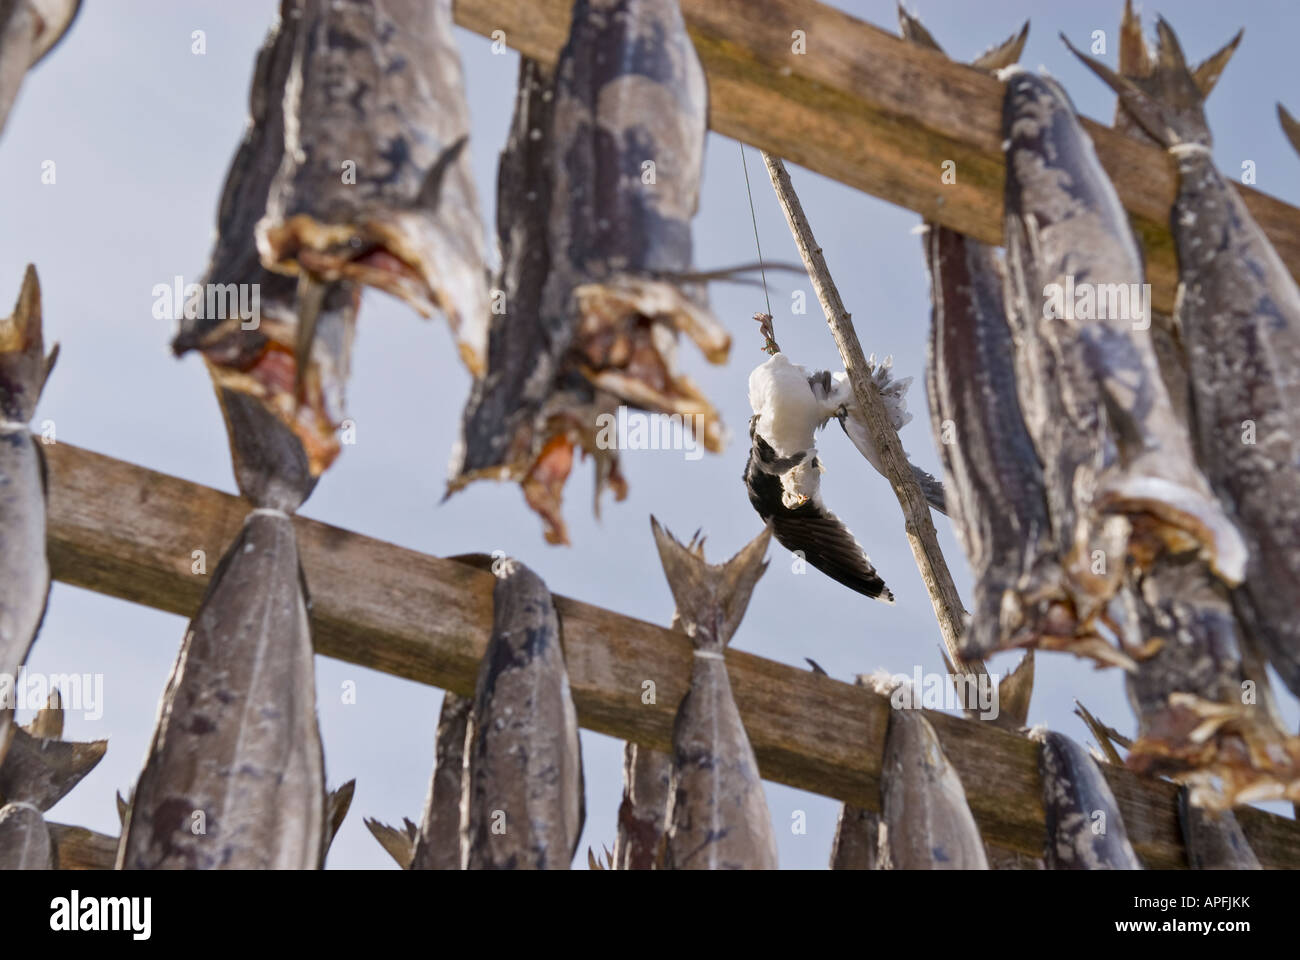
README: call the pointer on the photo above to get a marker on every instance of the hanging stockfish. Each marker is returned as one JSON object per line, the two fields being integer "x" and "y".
{"x": 523, "y": 805}
{"x": 717, "y": 816}
{"x": 24, "y": 569}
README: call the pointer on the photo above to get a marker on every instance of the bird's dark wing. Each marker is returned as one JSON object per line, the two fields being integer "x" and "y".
{"x": 812, "y": 531}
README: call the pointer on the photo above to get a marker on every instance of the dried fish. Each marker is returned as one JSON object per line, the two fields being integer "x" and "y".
{"x": 1138, "y": 62}
{"x": 1238, "y": 312}
{"x": 630, "y": 117}
{"x": 29, "y": 29}
{"x": 532, "y": 410}
{"x": 1213, "y": 839}
{"x": 1191, "y": 694}
{"x": 717, "y": 815}
{"x": 997, "y": 494}
{"x": 926, "y": 823}
{"x": 25, "y": 842}
{"x": 24, "y": 570}
{"x": 282, "y": 418}
{"x": 1084, "y": 828}
{"x": 525, "y": 347}
{"x": 438, "y": 843}
{"x": 999, "y": 500}
{"x": 235, "y": 776}
{"x": 398, "y": 843}
{"x": 523, "y": 805}
{"x": 38, "y": 771}
{"x": 857, "y": 839}
{"x": 375, "y": 186}
{"x": 857, "y": 831}
{"x": 337, "y": 804}
{"x": 643, "y": 814}
{"x": 1090, "y": 376}
{"x": 42, "y": 770}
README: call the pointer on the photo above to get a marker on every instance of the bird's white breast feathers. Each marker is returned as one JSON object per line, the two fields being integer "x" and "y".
{"x": 788, "y": 412}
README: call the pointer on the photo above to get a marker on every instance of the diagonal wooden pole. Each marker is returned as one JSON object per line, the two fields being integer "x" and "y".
{"x": 916, "y": 511}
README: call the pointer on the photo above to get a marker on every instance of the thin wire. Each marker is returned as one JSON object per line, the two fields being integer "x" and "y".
{"x": 755, "y": 221}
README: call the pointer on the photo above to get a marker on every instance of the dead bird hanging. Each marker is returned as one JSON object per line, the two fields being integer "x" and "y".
{"x": 783, "y": 473}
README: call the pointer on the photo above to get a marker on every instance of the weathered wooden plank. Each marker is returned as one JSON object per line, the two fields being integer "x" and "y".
{"x": 130, "y": 532}
{"x": 82, "y": 849}
{"x": 867, "y": 109}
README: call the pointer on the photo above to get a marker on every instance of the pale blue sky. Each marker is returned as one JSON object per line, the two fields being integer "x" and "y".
{"x": 142, "y": 132}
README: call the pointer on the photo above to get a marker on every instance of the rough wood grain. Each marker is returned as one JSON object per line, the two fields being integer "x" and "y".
{"x": 82, "y": 849}
{"x": 867, "y": 109}
{"x": 129, "y": 532}
{"x": 916, "y": 511}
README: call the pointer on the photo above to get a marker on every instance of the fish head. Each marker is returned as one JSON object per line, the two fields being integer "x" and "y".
{"x": 23, "y": 363}
{"x": 625, "y": 343}
{"x": 283, "y": 428}
{"x": 399, "y": 254}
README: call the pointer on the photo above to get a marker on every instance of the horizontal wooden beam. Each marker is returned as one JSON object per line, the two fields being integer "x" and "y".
{"x": 81, "y": 849}
{"x": 130, "y": 532}
{"x": 869, "y": 110}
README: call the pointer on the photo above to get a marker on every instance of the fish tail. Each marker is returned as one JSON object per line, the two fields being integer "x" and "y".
{"x": 24, "y": 368}
{"x": 711, "y": 598}
{"x": 995, "y": 58}
{"x": 1290, "y": 126}
{"x": 1157, "y": 87}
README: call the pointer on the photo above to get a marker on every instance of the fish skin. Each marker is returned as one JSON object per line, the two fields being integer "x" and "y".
{"x": 381, "y": 85}
{"x": 1188, "y": 693}
{"x": 997, "y": 495}
{"x": 398, "y": 843}
{"x": 29, "y": 29}
{"x": 857, "y": 831}
{"x": 25, "y": 842}
{"x": 279, "y": 446}
{"x": 926, "y": 822}
{"x": 337, "y": 804}
{"x": 717, "y": 815}
{"x": 532, "y": 410}
{"x": 1074, "y": 789}
{"x": 643, "y": 813}
{"x": 999, "y": 505}
{"x": 629, "y": 88}
{"x": 524, "y": 757}
{"x": 42, "y": 770}
{"x": 1064, "y": 219}
{"x": 24, "y": 568}
{"x": 437, "y": 846}
{"x": 237, "y": 736}
{"x": 857, "y": 840}
{"x": 1213, "y": 839}
{"x": 1238, "y": 313}
{"x": 525, "y": 345}
{"x": 38, "y": 771}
